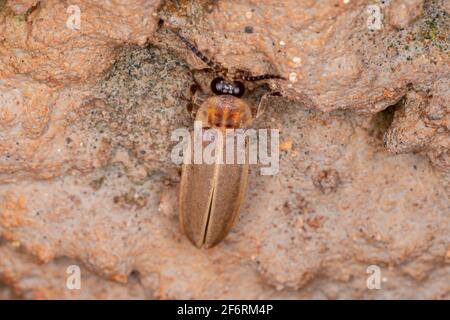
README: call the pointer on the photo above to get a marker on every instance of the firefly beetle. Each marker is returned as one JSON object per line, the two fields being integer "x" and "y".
{"x": 211, "y": 194}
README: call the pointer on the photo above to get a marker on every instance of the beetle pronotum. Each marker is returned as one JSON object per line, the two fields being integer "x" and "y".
{"x": 211, "y": 194}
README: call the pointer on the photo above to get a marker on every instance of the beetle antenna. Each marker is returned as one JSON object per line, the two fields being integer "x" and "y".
{"x": 197, "y": 52}
{"x": 262, "y": 77}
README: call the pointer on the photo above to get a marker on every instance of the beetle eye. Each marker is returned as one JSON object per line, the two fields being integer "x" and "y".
{"x": 238, "y": 89}
{"x": 217, "y": 85}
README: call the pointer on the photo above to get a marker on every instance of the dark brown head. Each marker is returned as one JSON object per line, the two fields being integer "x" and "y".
{"x": 220, "y": 86}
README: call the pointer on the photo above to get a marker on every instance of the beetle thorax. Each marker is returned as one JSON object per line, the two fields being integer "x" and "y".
{"x": 224, "y": 112}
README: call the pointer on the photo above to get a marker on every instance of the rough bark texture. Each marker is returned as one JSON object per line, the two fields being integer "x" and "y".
{"x": 86, "y": 116}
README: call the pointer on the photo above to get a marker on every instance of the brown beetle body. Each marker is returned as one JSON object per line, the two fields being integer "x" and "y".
{"x": 211, "y": 194}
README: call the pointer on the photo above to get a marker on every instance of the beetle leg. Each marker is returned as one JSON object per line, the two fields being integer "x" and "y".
{"x": 193, "y": 99}
{"x": 261, "y": 105}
